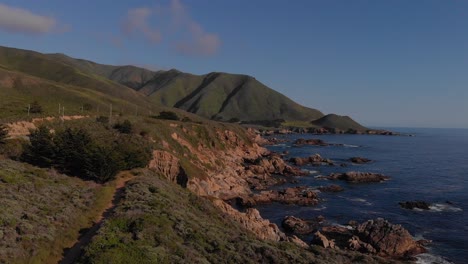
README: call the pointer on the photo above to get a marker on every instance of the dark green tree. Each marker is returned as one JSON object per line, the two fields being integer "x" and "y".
{"x": 72, "y": 150}
{"x": 41, "y": 148}
{"x": 3, "y": 133}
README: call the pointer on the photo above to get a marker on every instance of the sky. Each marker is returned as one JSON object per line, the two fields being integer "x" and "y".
{"x": 384, "y": 63}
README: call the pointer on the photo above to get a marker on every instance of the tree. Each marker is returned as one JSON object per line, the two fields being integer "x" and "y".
{"x": 35, "y": 108}
{"x": 72, "y": 150}
{"x": 3, "y": 133}
{"x": 41, "y": 148}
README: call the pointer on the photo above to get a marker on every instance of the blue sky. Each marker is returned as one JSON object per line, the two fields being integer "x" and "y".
{"x": 385, "y": 63}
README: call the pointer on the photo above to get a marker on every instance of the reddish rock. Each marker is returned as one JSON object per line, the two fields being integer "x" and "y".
{"x": 358, "y": 177}
{"x": 388, "y": 239}
{"x": 315, "y": 160}
{"x": 296, "y": 225}
{"x": 373, "y": 237}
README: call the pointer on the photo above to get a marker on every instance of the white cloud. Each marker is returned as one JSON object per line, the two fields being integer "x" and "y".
{"x": 137, "y": 21}
{"x": 17, "y": 20}
{"x": 185, "y": 34}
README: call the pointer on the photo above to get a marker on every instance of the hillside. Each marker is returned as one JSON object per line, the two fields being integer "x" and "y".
{"x": 338, "y": 122}
{"x": 215, "y": 95}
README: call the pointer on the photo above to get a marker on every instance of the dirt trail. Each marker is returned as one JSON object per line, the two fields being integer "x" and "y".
{"x": 71, "y": 255}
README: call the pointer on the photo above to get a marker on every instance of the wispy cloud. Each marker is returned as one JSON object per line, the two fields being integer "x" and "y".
{"x": 18, "y": 20}
{"x": 185, "y": 35}
{"x": 137, "y": 22}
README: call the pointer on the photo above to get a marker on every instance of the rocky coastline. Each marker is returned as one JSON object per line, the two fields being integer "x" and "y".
{"x": 245, "y": 178}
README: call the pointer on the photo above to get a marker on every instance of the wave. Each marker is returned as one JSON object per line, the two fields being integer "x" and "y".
{"x": 430, "y": 259}
{"x": 444, "y": 207}
{"x": 351, "y": 146}
{"x": 319, "y": 208}
{"x": 311, "y": 171}
{"x": 359, "y": 200}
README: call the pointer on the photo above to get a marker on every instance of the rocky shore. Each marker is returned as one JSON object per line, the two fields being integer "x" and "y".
{"x": 245, "y": 177}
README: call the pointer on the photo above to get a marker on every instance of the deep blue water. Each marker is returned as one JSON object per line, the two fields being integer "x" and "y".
{"x": 431, "y": 166}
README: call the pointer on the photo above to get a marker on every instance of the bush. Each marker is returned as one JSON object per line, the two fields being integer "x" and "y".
{"x": 125, "y": 127}
{"x": 168, "y": 115}
{"x": 3, "y": 133}
{"x": 102, "y": 119}
{"x": 35, "y": 108}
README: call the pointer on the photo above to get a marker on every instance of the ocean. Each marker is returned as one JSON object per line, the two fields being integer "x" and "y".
{"x": 431, "y": 166}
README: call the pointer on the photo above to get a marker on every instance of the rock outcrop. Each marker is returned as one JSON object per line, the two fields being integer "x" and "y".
{"x": 301, "y": 195}
{"x": 315, "y": 160}
{"x": 294, "y": 225}
{"x": 377, "y": 236}
{"x": 358, "y": 177}
{"x": 168, "y": 165}
{"x": 252, "y": 220}
{"x": 311, "y": 142}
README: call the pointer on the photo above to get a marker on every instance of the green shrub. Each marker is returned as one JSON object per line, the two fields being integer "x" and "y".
{"x": 35, "y": 108}
{"x": 102, "y": 119}
{"x": 168, "y": 115}
{"x": 75, "y": 152}
{"x": 125, "y": 127}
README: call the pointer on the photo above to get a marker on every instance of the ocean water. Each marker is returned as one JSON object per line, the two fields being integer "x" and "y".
{"x": 431, "y": 166}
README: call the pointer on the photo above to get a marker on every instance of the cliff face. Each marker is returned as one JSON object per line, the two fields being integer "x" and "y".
{"x": 221, "y": 174}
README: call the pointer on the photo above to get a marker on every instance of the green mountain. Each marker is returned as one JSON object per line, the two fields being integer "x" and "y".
{"x": 215, "y": 95}
{"x": 338, "y": 122}
{"x": 55, "y": 79}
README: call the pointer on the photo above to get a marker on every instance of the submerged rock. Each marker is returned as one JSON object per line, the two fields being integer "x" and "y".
{"x": 358, "y": 177}
{"x": 415, "y": 204}
{"x": 313, "y": 142}
{"x": 359, "y": 160}
{"x": 331, "y": 188}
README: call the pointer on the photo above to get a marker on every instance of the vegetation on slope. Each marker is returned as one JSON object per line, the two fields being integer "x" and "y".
{"x": 159, "y": 222}
{"x": 42, "y": 211}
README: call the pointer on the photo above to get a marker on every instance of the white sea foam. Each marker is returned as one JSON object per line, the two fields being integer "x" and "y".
{"x": 279, "y": 145}
{"x": 444, "y": 207}
{"x": 350, "y": 146}
{"x": 360, "y": 200}
{"x": 431, "y": 259}
{"x": 312, "y": 171}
